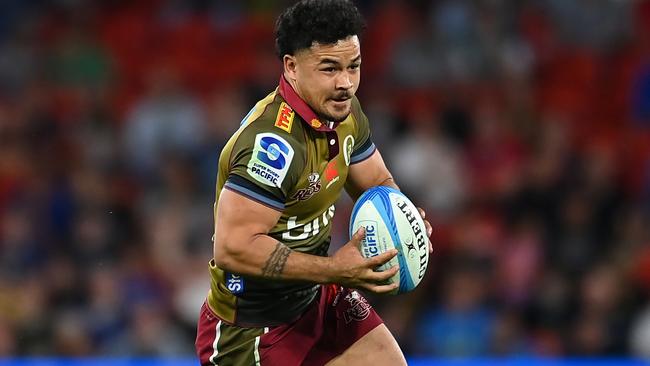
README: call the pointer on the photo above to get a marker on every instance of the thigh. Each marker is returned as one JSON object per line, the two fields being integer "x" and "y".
{"x": 349, "y": 319}
{"x": 218, "y": 343}
{"x": 377, "y": 348}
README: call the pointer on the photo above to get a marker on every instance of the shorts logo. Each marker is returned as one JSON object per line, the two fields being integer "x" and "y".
{"x": 271, "y": 159}
{"x": 313, "y": 188}
{"x": 348, "y": 145}
{"x": 358, "y": 310}
{"x": 285, "y": 117}
{"x": 234, "y": 283}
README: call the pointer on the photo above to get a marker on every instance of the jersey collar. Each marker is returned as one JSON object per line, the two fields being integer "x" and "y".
{"x": 304, "y": 111}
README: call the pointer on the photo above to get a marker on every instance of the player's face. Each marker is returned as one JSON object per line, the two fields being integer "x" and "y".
{"x": 327, "y": 76}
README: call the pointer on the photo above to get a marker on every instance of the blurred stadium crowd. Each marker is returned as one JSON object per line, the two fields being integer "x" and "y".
{"x": 522, "y": 127}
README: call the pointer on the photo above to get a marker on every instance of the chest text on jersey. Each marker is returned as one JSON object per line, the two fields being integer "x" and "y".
{"x": 310, "y": 228}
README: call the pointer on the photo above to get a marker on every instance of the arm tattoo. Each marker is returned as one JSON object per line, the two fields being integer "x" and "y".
{"x": 275, "y": 264}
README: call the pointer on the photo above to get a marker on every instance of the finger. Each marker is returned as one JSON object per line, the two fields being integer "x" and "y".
{"x": 381, "y": 276}
{"x": 382, "y": 289}
{"x": 429, "y": 228}
{"x": 382, "y": 258}
{"x": 430, "y": 247}
{"x": 422, "y": 213}
{"x": 358, "y": 236}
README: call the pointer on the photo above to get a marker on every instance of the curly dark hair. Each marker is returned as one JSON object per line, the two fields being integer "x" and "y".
{"x": 321, "y": 21}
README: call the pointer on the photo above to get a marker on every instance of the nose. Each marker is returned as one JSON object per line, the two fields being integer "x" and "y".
{"x": 343, "y": 82}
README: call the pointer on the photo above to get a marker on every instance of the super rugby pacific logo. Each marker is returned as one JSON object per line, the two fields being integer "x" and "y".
{"x": 270, "y": 160}
{"x": 419, "y": 235}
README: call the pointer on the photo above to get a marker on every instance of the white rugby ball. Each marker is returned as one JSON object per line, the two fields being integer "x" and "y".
{"x": 392, "y": 221}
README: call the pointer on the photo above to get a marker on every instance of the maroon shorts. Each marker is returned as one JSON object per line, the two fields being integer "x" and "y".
{"x": 328, "y": 327}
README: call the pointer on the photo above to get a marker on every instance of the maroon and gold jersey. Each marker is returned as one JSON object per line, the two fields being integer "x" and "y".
{"x": 284, "y": 157}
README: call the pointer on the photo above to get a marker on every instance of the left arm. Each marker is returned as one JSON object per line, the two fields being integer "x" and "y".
{"x": 366, "y": 174}
{"x": 373, "y": 172}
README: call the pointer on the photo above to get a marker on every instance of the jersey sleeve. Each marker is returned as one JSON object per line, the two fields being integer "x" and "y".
{"x": 264, "y": 166}
{"x": 363, "y": 147}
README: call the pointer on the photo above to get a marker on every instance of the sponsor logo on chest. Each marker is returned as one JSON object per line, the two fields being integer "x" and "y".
{"x": 301, "y": 229}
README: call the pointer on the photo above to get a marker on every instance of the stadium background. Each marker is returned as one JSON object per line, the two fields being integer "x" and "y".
{"x": 523, "y": 128}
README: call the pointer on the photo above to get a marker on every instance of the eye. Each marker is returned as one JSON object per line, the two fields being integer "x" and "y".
{"x": 328, "y": 69}
{"x": 355, "y": 66}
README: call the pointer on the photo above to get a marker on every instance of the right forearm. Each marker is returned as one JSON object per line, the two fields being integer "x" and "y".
{"x": 265, "y": 257}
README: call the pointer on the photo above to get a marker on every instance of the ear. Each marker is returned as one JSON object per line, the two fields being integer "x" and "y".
{"x": 290, "y": 66}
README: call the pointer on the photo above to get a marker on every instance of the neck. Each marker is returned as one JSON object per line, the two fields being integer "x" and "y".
{"x": 294, "y": 85}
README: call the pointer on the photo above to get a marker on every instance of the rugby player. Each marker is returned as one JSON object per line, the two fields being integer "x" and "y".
{"x": 276, "y": 298}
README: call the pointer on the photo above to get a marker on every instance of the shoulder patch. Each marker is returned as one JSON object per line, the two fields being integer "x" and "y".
{"x": 284, "y": 120}
{"x": 271, "y": 159}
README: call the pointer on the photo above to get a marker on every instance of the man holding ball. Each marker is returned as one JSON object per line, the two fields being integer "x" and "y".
{"x": 276, "y": 298}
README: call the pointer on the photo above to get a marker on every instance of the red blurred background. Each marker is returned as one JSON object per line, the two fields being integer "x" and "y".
{"x": 523, "y": 128}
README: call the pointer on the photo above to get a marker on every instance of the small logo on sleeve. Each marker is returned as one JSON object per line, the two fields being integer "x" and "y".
{"x": 234, "y": 283}
{"x": 271, "y": 159}
{"x": 285, "y": 117}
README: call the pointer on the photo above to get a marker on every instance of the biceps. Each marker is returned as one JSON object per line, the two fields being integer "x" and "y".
{"x": 239, "y": 219}
{"x": 369, "y": 173}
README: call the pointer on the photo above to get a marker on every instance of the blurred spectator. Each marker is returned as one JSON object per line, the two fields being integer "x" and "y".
{"x": 520, "y": 263}
{"x": 153, "y": 334}
{"x": 70, "y": 335}
{"x": 462, "y": 326}
{"x": 106, "y": 314}
{"x": 640, "y": 335}
{"x": 166, "y": 121}
{"x": 427, "y": 164}
{"x": 8, "y": 345}
{"x": 598, "y": 24}
{"x": 602, "y": 323}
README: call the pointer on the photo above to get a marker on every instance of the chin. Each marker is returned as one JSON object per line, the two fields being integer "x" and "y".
{"x": 338, "y": 117}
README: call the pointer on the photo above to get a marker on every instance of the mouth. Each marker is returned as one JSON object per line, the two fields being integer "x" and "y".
{"x": 340, "y": 101}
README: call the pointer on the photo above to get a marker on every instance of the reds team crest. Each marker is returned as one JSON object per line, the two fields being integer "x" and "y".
{"x": 358, "y": 309}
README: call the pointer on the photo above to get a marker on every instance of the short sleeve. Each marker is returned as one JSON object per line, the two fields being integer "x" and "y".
{"x": 364, "y": 147}
{"x": 264, "y": 167}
